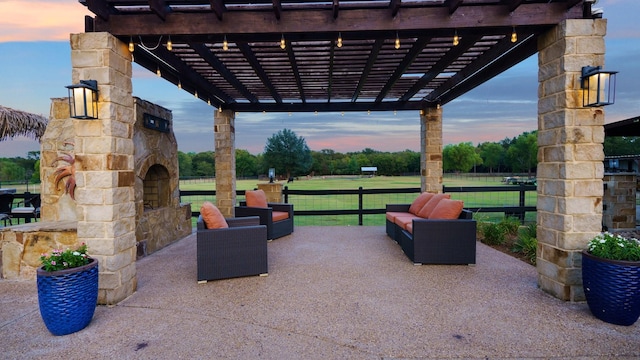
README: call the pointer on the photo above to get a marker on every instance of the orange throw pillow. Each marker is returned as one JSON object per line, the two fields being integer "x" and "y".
{"x": 256, "y": 198}
{"x": 426, "y": 210}
{"x": 212, "y": 216}
{"x": 419, "y": 202}
{"x": 447, "y": 209}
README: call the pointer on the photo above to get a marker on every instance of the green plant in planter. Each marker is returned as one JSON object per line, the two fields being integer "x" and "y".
{"x": 610, "y": 278}
{"x": 67, "y": 259}
{"x": 614, "y": 247}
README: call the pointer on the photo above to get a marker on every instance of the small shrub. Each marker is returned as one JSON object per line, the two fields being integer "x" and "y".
{"x": 492, "y": 234}
{"x": 526, "y": 243}
{"x": 510, "y": 224}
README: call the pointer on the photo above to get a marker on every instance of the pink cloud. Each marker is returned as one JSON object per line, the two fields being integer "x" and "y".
{"x": 40, "y": 20}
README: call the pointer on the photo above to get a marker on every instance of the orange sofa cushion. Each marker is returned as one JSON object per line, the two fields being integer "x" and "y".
{"x": 392, "y": 215}
{"x": 279, "y": 215}
{"x": 420, "y": 202}
{"x": 426, "y": 210}
{"x": 404, "y": 221}
{"x": 256, "y": 198}
{"x": 212, "y": 216}
{"x": 447, "y": 209}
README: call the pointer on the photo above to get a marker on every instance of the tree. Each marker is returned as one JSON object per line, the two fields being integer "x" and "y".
{"x": 246, "y": 164}
{"x": 461, "y": 157}
{"x": 288, "y": 153}
{"x": 523, "y": 152}
{"x": 185, "y": 166}
{"x": 204, "y": 164}
{"x": 621, "y": 145}
{"x": 492, "y": 155}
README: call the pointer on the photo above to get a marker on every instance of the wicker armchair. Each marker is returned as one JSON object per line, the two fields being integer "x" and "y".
{"x": 275, "y": 229}
{"x": 240, "y": 250}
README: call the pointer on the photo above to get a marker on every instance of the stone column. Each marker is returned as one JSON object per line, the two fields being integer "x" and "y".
{"x": 104, "y": 163}
{"x": 225, "y": 139}
{"x": 570, "y": 155}
{"x": 431, "y": 149}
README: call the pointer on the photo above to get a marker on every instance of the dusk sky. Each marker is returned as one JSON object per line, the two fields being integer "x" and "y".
{"x": 35, "y": 66}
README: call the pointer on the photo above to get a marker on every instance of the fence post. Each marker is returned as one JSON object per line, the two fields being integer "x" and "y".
{"x": 522, "y": 194}
{"x": 360, "y": 205}
{"x": 286, "y": 194}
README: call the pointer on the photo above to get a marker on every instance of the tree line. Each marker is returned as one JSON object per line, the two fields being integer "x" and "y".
{"x": 290, "y": 156}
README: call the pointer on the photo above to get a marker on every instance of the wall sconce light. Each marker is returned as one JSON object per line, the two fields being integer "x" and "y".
{"x": 599, "y": 86}
{"x": 83, "y": 100}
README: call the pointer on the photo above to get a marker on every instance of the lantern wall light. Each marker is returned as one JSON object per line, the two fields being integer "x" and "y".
{"x": 83, "y": 100}
{"x": 599, "y": 86}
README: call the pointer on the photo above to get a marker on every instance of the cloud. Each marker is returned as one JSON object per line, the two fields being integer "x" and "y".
{"x": 41, "y": 20}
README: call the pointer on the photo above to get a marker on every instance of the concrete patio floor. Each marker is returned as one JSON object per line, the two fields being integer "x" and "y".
{"x": 331, "y": 293}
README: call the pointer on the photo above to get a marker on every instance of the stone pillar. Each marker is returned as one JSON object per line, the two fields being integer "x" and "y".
{"x": 570, "y": 155}
{"x": 619, "y": 201}
{"x": 431, "y": 149}
{"x": 273, "y": 191}
{"x": 104, "y": 160}
{"x": 225, "y": 139}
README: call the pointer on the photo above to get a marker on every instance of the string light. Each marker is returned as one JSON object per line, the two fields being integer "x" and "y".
{"x": 339, "y": 40}
{"x": 195, "y": 94}
{"x": 342, "y": 113}
{"x": 179, "y": 84}
{"x": 514, "y": 35}
{"x": 368, "y": 112}
{"x": 283, "y": 44}
{"x": 208, "y": 101}
{"x": 456, "y": 39}
{"x": 131, "y": 46}
{"x": 169, "y": 44}
{"x": 158, "y": 71}
{"x": 225, "y": 44}
{"x": 397, "y": 46}
{"x": 315, "y": 113}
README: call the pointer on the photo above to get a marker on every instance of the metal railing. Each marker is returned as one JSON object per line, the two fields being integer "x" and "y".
{"x": 367, "y": 206}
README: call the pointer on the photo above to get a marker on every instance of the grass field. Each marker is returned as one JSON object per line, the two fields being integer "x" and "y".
{"x": 378, "y": 201}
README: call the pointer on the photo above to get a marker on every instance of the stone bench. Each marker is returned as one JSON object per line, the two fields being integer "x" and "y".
{"x": 22, "y": 245}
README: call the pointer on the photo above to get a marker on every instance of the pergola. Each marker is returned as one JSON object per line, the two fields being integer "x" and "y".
{"x": 301, "y": 55}
{"x": 360, "y": 55}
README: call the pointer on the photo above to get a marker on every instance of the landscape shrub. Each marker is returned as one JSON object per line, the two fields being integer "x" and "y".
{"x": 526, "y": 243}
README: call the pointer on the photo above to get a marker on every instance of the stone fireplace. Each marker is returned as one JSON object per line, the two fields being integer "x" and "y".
{"x": 160, "y": 217}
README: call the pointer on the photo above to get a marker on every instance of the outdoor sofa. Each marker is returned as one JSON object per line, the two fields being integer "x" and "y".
{"x": 278, "y": 217}
{"x": 447, "y": 235}
{"x": 239, "y": 250}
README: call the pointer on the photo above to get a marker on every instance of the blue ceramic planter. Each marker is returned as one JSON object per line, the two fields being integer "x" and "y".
{"x": 68, "y": 298}
{"x": 612, "y": 289}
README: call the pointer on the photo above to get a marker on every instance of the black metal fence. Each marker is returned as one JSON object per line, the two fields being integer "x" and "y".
{"x": 367, "y": 206}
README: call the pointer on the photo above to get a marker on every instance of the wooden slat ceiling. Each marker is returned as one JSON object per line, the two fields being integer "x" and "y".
{"x": 313, "y": 73}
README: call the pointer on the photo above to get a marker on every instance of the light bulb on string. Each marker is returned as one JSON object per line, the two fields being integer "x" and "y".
{"x": 514, "y": 35}
{"x": 131, "y": 46}
{"x": 169, "y": 44}
{"x": 225, "y": 44}
{"x": 283, "y": 44}
{"x": 456, "y": 39}
{"x": 397, "y": 45}
{"x": 339, "y": 40}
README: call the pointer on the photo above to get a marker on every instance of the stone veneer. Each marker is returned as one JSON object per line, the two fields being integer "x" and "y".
{"x": 431, "y": 149}
{"x": 104, "y": 163}
{"x": 225, "y": 156}
{"x": 160, "y": 217}
{"x": 22, "y": 245}
{"x": 570, "y": 155}
{"x": 619, "y": 201}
